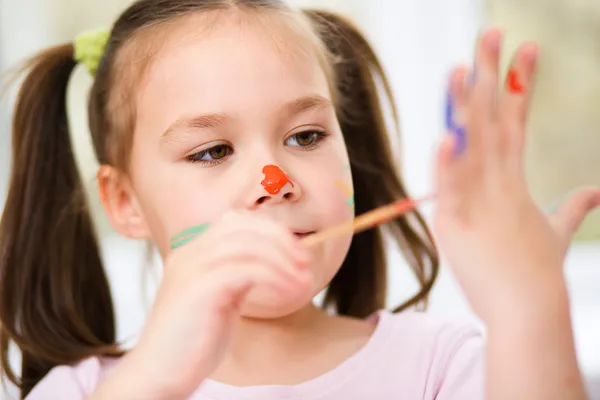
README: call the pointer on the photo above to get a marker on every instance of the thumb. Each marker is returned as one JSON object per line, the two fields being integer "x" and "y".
{"x": 569, "y": 215}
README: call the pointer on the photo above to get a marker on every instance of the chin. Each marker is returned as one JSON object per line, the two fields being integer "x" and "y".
{"x": 266, "y": 303}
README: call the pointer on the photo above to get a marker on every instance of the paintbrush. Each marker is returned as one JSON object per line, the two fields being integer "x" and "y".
{"x": 363, "y": 222}
{"x": 368, "y": 220}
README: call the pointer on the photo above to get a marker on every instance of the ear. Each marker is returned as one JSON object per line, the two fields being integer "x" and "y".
{"x": 120, "y": 203}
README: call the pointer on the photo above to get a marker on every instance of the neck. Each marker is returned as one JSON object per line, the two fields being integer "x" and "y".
{"x": 273, "y": 341}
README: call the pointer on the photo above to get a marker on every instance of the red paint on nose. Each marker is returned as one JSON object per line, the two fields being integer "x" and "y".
{"x": 275, "y": 179}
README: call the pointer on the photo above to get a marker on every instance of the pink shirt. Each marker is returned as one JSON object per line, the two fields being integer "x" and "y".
{"x": 409, "y": 356}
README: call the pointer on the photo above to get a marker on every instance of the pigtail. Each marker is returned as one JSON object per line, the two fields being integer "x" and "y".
{"x": 55, "y": 301}
{"x": 359, "y": 288}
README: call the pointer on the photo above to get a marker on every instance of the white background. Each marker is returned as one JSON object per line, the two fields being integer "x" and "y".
{"x": 418, "y": 41}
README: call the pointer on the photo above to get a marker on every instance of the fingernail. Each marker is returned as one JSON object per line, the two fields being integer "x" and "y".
{"x": 597, "y": 200}
{"x": 493, "y": 40}
{"x": 594, "y": 199}
{"x": 531, "y": 52}
{"x": 301, "y": 263}
{"x": 303, "y": 266}
{"x": 305, "y": 260}
{"x": 300, "y": 253}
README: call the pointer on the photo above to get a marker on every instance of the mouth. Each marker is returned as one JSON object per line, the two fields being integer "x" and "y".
{"x": 301, "y": 235}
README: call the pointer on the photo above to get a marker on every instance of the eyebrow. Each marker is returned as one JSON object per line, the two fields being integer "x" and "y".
{"x": 307, "y": 103}
{"x": 205, "y": 121}
{"x": 214, "y": 120}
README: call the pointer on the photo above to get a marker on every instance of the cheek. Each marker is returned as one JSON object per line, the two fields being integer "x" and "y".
{"x": 167, "y": 213}
{"x": 335, "y": 194}
{"x": 174, "y": 198}
{"x": 333, "y": 255}
{"x": 346, "y": 190}
{"x": 331, "y": 182}
{"x": 190, "y": 208}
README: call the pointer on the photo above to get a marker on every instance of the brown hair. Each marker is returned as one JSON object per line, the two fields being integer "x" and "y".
{"x": 360, "y": 286}
{"x": 55, "y": 302}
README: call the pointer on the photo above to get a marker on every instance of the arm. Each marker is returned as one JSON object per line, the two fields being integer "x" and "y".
{"x": 131, "y": 381}
{"x": 506, "y": 252}
{"x": 531, "y": 352}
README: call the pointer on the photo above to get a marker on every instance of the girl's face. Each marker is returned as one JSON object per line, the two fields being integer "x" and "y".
{"x": 217, "y": 107}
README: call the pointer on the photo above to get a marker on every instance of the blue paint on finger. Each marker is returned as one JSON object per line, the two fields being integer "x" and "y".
{"x": 461, "y": 140}
{"x": 456, "y": 129}
{"x": 449, "y": 112}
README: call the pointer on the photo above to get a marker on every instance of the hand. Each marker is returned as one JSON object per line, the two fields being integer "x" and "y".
{"x": 204, "y": 285}
{"x": 501, "y": 246}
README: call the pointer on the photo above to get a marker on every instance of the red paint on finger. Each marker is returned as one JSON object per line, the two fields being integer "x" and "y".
{"x": 275, "y": 179}
{"x": 513, "y": 82}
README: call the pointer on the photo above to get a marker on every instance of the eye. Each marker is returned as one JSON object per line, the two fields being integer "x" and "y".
{"x": 212, "y": 156}
{"x": 306, "y": 140}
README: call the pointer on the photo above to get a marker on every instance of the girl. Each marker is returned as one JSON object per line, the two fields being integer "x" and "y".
{"x": 253, "y": 121}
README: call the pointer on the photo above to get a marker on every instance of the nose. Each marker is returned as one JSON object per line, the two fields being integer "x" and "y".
{"x": 275, "y": 187}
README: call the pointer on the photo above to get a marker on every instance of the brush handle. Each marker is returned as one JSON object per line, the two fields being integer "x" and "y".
{"x": 367, "y": 220}
{"x": 363, "y": 222}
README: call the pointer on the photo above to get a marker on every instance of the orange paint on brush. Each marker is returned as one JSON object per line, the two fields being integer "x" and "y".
{"x": 513, "y": 82}
{"x": 275, "y": 179}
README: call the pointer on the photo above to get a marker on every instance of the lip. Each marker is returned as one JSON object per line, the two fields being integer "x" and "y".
{"x": 302, "y": 234}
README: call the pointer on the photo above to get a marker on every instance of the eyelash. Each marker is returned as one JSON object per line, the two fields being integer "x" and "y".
{"x": 318, "y": 137}
{"x": 197, "y": 157}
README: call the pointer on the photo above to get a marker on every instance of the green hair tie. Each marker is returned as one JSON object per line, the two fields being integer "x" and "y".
{"x": 89, "y": 48}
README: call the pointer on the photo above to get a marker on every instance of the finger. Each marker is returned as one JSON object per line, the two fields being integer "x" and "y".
{"x": 483, "y": 92}
{"x": 234, "y": 282}
{"x": 453, "y": 165}
{"x": 235, "y": 293}
{"x": 449, "y": 174}
{"x": 253, "y": 223}
{"x": 456, "y": 109}
{"x": 222, "y": 239}
{"x": 244, "y": 247}
{"x": 516, "y": 99}
{"x": 446, "y": 166}
{"x": 570, "y": 214}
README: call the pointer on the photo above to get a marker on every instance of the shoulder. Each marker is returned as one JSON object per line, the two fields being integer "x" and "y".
{"x": 446, "y": 356}
{"x": 73, "y": 381}
{"x": 426, "y": 329}
{"x": 439, "y": 339}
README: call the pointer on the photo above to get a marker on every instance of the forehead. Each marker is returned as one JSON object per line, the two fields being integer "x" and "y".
{"x": 229, "y": 61}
